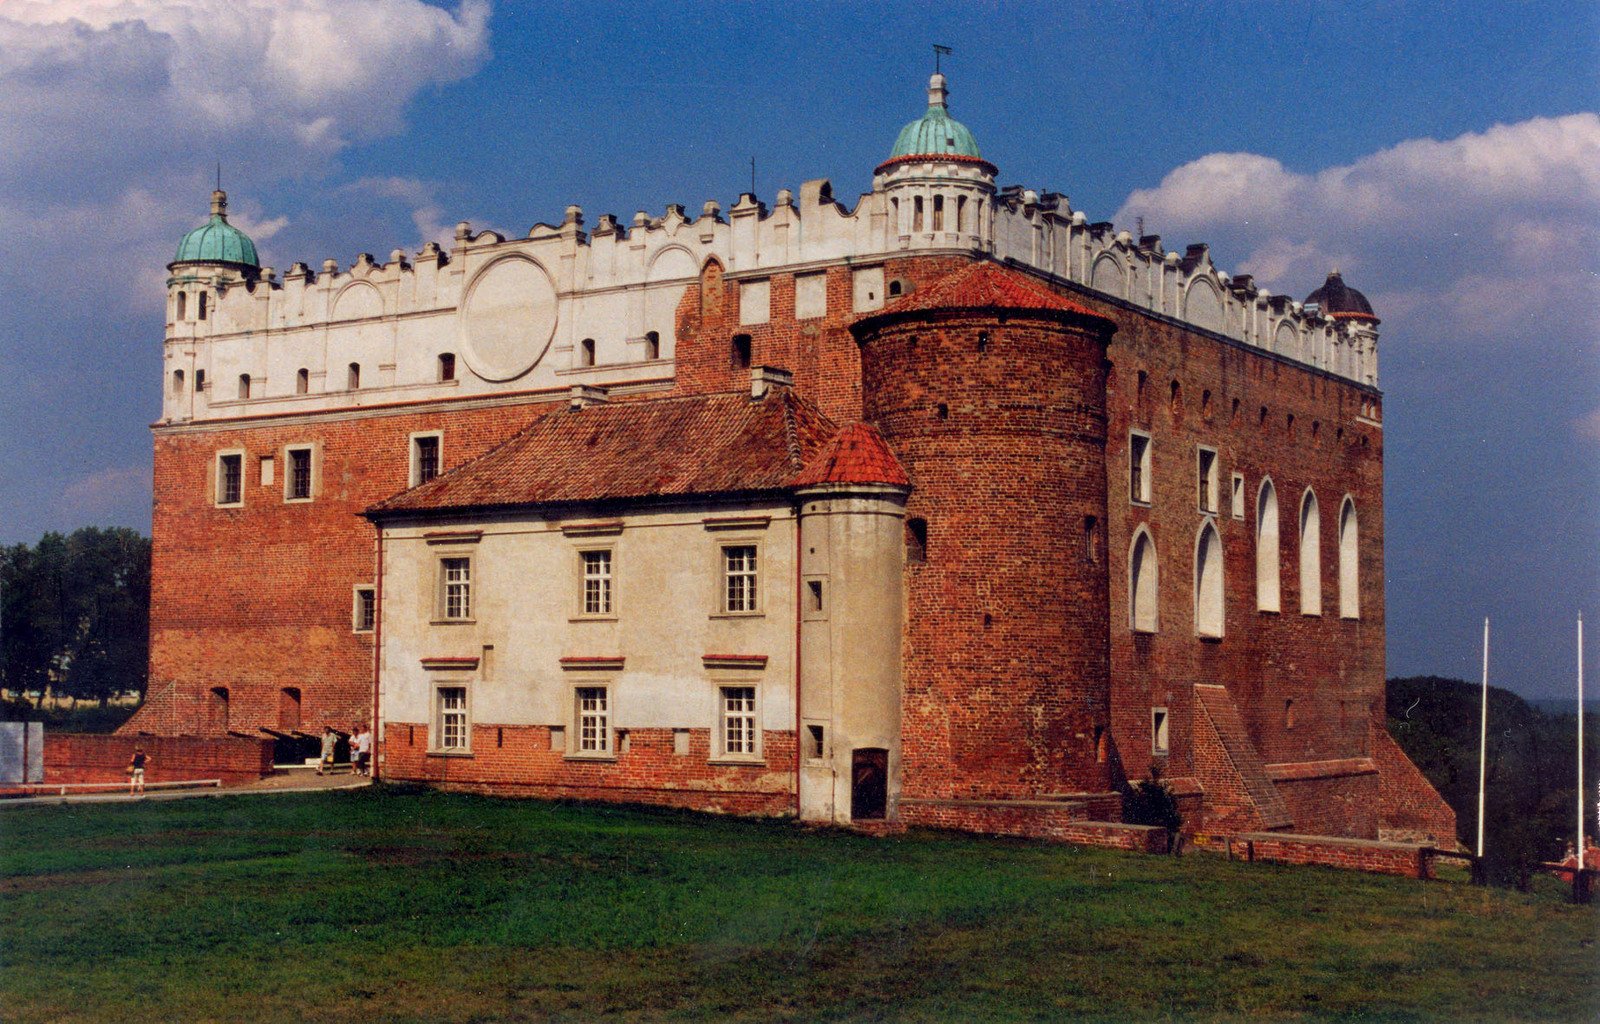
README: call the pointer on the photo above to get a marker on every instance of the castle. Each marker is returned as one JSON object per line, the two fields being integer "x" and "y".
{"x": 953, "y": 508}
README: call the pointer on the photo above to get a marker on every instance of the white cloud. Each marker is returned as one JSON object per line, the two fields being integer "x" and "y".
{"x": 108, "y": 491}
{"x": 1483, "y": 232}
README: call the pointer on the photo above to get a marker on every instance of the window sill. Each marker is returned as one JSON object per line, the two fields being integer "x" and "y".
{"x": 1144, "y": 632}
{"x": 592, "y": 618}
{"x": 1350, "y": 618}
{"x": 1311, "y": 615}
{"x": 362, "y": 632}
{"x": 1209, "y": 638}
{"x": 602, "y": 758}
{"x": 738, "y": 760}
{"x": 1269, "y": 611}
{"x": 228, "y": 504}
{"x": 449, "y": 753}
{"x": 298, "y": 501}
{"x": 1137, "y": 503}
{"x": 739, "y": 615}
{"x": 453, "y": 622}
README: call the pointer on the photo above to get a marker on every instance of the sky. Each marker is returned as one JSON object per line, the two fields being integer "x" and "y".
{"x": 1446, "y": 157}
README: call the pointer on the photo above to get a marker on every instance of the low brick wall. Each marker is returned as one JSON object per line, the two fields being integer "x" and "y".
{"x": 1405, "y": 859}
{"x": 84, "y": 757}
{"x": 1032, "y": 819}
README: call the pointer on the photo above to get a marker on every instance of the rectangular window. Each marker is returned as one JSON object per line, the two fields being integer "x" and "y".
{"x": 1238, "y": 496}
{"x": 424, "y": 458}
{"x": 816, "y": 742}
{"x": 1139, "y": 468}
{"x": 366, "y": 610}
{"x": 453, "y": 732}
{"x": 455, "y": 588}
{"x": 1206, "y": 476}
{"x": 739, "y": 720}
{"x": 739, "y": 578}
{"x": 1158, "y": 730}
{"x": 299, "y": 476}
{"x": 594, "y": 720}
{"x": 230, "y": 479}
{"x": 596, "y": 582}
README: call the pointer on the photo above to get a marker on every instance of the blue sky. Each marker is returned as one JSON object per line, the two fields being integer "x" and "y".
{"x": 1446, "y": 157}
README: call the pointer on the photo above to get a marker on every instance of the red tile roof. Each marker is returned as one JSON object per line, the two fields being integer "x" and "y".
{"x": 856, "y": 455}
{"x": 987, "y": 285}
{"x": 676, "y": 446}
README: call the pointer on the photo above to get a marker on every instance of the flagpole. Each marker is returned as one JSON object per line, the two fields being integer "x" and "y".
{"x": 1581, "y": 843}
{"x": 1483, "y": 735}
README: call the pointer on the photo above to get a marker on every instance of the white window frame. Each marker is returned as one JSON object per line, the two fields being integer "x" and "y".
{"x": 602, "y": 744}
{"x": 1349, "y": 559}
{"x": 1208, "y": 480}
{"x": 606, "y": 583}
{"x": 289, "y": 451}
{"x": 1142, "y": 494}
{"x": 754, "y": 605}
{"x": 216, "y": 483}
{"x": 442, "y": 716}
{"x": 355, "y": 607}
{"x": 1160, "y": 732}
{"x": 749, "y": 748}
{"x": 414, "y": 474}
{"x": 442, "y": 583}
{"x": 1153, "y": 582}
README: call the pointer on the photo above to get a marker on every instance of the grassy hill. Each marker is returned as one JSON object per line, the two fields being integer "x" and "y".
{"x": 385, "y": 905}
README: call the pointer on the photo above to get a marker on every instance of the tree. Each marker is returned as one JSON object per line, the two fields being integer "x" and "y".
{"x": 75, "y": 614}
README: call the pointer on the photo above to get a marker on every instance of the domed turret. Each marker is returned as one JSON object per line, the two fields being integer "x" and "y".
{"x": 936, "y": 183}
{"x": 217, "y": 242}
{"x": 1340, "y": 301}
{"x": 936, "y": 135}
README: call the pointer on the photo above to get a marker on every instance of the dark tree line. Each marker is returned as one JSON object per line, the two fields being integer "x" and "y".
{"x": 1530, "y": 813}
{"x": 75, "y": 615}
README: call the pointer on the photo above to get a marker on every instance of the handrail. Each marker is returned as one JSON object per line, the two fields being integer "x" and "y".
{"x": 61, "y": 787}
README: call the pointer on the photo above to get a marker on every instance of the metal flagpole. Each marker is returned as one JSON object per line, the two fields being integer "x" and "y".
{"x": 1483, "y": 735}
{"x": 1581, "y": 843}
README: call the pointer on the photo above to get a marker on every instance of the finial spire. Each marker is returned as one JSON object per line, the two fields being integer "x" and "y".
{"x": 939, "y": 51}
{"x": 219, "y": 204}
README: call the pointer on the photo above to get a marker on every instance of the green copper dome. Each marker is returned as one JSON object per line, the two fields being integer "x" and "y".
{"x": 217, "y": 241}
{"x": 936, "y": 132}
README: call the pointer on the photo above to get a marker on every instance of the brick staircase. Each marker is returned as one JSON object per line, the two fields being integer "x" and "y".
{"x": 1239, "y": 766}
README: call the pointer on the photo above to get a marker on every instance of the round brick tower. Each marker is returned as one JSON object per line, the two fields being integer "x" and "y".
{"x": 991, "y": 391}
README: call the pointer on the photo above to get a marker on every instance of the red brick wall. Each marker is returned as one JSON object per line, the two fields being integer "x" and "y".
{"x": 1381, "y": 858}
{"x": 259, "y": 598}
{"x": 1033, "y": 819}
{"x": 1333, "y": 805}
{"x": 1409, "y": 808}
{"x": 1000, "y": 426}
{"x": 71, "y": 757}
{"x": 517, "y": 760}
{"x": 1330, "y": 667}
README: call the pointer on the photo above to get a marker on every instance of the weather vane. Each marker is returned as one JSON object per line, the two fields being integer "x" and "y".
{"x": 939, "y": 51}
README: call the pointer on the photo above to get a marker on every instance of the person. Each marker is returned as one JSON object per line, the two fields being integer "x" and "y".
{"x": 363, "y": 743}
{"x": 329, "y": 739}
{"x": 136, "y": 766}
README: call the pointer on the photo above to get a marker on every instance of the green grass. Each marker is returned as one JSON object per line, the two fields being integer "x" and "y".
{"x": 385, "y": 905}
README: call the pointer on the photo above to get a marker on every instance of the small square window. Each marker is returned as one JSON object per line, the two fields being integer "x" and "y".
{"x": 596, "y": 582}
{"x": 366, "y": 610}
{"x": 1158, "y": 730}
{"x": 814, "y": 597}
{"x": 1139, "y": 476}
{"x": 740, "y": 580}
{"x": 230, "y": 478}
{"x": 453, "y": 733}
{"x": 816, "y": 742}
{"x": 455, "y": 588}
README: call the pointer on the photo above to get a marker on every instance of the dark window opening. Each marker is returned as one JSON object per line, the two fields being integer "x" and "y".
{"x": 244, "y": 385}
{"x": 816, "y": 742}
{"x": 741, "y": 351}
{"x": 299, "y": 473}
{"x": 302, "y": 381}
{"x": 938, "y": 213}
{"x": 983, "y": 341}
{"x": 944, "y": 411}
{"x": 366, "y": 609}
{"x": 177, "y": 382}
{"x": 1205, "y": 404}
{"x": 586, "y": 352}
{"x": 916, "y": 214}
{"x": 447, "y": 366}
{"x": 199, "y": 380}
{"x": 427, "y": 451}
{"x": 652, "y": 346}
{"x": 814, "y": 594}
{"x": 200, "y": 308}
{"x": 1091, "y": 539}
{"x": 916, "y": 541}
{"x": 355, "y": 376}
{"x": 183, "y": 305}
{"x": 218, "y": 711}
{"x": 1177, "y": 398}
{"x": 894, "y": 288}
{"x": 869, "y": 783}
{"x": 230, "y": 478}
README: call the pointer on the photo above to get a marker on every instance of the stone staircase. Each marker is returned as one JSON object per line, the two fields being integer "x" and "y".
{"x": 1245, "y": 773}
